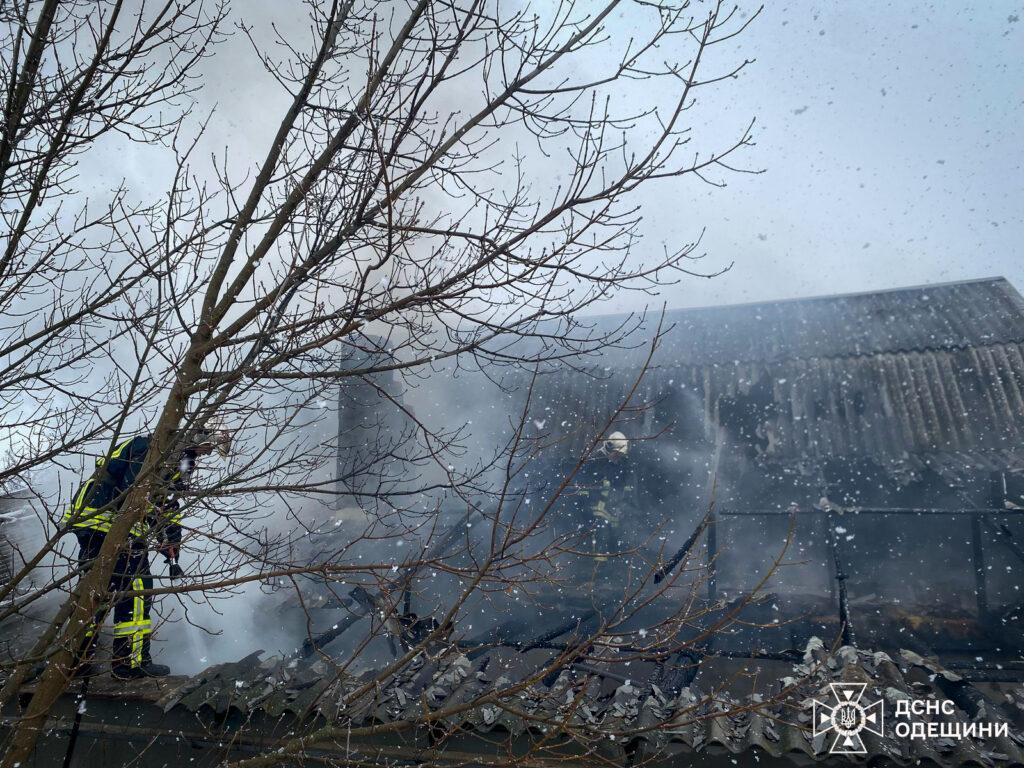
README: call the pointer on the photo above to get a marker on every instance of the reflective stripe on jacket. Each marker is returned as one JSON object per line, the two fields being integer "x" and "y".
{"x": 100, "y": 498}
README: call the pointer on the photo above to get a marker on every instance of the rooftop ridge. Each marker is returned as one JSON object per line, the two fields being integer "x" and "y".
{"x": 995, "y": 279}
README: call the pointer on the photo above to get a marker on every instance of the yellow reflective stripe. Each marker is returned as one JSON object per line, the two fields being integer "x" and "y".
{"x": 78, "y": 505}
{"x": 89, "y": 517}
{"x": 93, "y": 512}
{"x": 138, "y": 603}
{"x": 139, "y": 616}
{"x": 80, "y": 499}
{"x": 130, "y": 628}
{"x": 116, "y": 454}
{"x": 125, "y": 628}
{"x": 120, "y": 449}
{"x": 97, "y": 522}
{"x": 100, "y": 526}
{"x": 102, "y": 522}
{"x": 133, "y": 624}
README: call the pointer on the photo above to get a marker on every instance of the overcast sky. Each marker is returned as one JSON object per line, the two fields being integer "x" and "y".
{"x": 890, "y": 134}
{"x": 892, "y": 139}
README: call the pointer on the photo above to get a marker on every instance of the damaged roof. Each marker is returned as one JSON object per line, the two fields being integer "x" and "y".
{"x": 931, "y": 376}
{"x": 943, "y": 316}
{"x": 885, "y": 406}
{"x": 730, "y": 707}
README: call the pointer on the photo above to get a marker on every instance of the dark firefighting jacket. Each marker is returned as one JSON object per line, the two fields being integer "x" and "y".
{"x": 98, "y": 501}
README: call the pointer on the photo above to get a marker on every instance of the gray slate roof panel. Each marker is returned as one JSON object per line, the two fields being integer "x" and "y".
{"x": 944, "y": 386}
{"x": 943, "y": 316}
{"x": 776, "y": 719}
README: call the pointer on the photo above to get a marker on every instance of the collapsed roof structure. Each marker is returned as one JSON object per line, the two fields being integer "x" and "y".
{"x": 913, "y": 379}
{"x": 856, "y": 421}
{"x": 893, "y": 417}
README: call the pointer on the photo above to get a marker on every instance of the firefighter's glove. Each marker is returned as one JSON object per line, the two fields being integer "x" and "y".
{"x": 174, "y": 571}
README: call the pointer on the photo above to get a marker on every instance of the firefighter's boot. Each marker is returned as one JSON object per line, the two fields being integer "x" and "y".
{"x": 150, "y": 667}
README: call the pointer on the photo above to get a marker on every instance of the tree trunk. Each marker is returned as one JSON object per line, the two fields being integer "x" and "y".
{"x": 91, "y": 589}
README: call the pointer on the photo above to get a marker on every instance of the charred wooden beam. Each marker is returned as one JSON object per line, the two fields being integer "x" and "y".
{"x": 684, "y": 550}
{"x": 844, "y": 600}
{"x": 1003, "y": 536}
{"x": 499, "y": 636}
{"x": 560, "y": 630}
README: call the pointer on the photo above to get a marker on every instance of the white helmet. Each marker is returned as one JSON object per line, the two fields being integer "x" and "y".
{"x": 213, "y": 435}
{"x": 616, "y": 442}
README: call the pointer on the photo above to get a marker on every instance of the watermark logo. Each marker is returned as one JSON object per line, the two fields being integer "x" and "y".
{"x": 847, "y": 717}
{"x": 916, "y": 728}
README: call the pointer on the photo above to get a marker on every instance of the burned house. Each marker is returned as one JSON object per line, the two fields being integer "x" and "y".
{"x": 884, "y": 427}
{"x": 869, "y": 442}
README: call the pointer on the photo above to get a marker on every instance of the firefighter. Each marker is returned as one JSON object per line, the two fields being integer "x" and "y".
{"x": 90, "y": 516}
{"x": 610, "y": 488}
{"x": 623, "y": 497}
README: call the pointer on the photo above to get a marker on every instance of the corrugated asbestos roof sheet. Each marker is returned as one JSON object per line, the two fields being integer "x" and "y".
{"x": 775, "y": 719}
{"x": 945, "y": 316}
{"x": 957, "y": 410}
{"x": 884, "y": 406}
{"x": 930, "y": 376}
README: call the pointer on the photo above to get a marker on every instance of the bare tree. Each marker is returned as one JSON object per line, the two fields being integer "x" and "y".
{"x": 81, "y": 80}
{"x": 79, "y": 77}
{"x": 446, "y": 185}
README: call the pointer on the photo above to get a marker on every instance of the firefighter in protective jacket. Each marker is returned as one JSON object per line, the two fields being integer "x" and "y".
{"x": 90, "y": 516}
{"x": 620, "y": 497}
